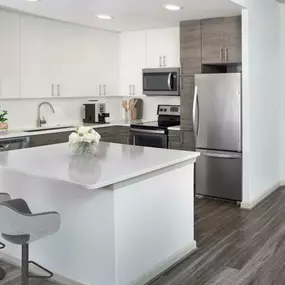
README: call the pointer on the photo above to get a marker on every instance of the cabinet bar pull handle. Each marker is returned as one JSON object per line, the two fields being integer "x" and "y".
{"x": 226, "y": 54}
{"x": 182, "y": 83}
{"x": 52, "y": 90}
{"x": 104, "y": 87}
{"x": 130, "y": 89}
{"x": 58, "y": 90}
{"x": 182, "y": 67}
{"x": 160, "y": 61}
{"x": 164, "y": 60}
{"x": 134, "y": 90}
{"x": 100, "y": 90}
{"x": 222, "y": 54}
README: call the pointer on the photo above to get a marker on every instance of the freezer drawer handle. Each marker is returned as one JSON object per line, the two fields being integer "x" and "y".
{"x": 226, "y": 156}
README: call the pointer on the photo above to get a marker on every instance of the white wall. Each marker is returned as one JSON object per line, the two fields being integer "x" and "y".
{"x": 282, "y": 87}
{"x": 261, "y": 99}
{"x": 23, "y": 112}
{"x": 243, "y": 3}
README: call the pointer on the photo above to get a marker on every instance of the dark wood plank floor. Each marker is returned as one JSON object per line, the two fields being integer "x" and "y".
{"x": 235, "y": 247}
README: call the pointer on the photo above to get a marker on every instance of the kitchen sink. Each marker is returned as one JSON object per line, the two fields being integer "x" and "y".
{"x": 48, "y": 129}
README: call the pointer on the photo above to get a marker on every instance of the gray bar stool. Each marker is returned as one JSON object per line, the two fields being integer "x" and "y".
{"x": 3, "y": 197}
{"x": 19, "y": 225}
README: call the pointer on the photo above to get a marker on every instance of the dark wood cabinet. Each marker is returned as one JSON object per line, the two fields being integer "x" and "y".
{"x": 221, "y": 40}
{"x": 181, "y": 140}
{"x": 186, "y": 102}
{"x": 212, "y": 41}
{"x": 187, "y": 140}
{"x": 115, "y": 134}
{"x": 49, "y": 139}
{"x": 190, "y": 47}
{"x": 233, "y": 39}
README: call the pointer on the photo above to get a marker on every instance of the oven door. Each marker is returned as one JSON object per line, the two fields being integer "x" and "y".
{"x": 161, "y": 82}
{"x": 149, "y": 138}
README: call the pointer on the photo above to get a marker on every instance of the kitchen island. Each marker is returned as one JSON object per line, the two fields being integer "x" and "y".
{"x": 127, "y": 214}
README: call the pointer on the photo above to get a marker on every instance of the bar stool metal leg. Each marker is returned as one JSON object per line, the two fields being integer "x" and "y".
{"x": 2, "y": 274}
{"x": 25, "y": 264}
{"x": 2, "y": 271}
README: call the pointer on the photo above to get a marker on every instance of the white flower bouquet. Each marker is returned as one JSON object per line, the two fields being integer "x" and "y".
{"x": 84, "y": 141}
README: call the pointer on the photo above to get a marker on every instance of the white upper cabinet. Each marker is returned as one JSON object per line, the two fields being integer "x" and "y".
{"x": 69, "y": 63}
{"x": 132, "y": 62}
{"x": 67, "y": 60}
{"x": 90, "y": 63}
{"x": 39, "y": 56}
{"x": 163, "y": 48}
{"x": 100, "y": 62}
{"x": 51, "y": 58}
{"x": 9, "y": 55}
{"x": 107, "y": 51}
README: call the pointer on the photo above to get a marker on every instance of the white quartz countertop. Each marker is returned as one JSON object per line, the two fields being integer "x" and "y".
{"x": 113, "y": 163}
{"x": 22, "y": 133}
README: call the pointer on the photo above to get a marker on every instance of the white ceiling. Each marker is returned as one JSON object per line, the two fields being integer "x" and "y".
{"x": 129, "y": 14}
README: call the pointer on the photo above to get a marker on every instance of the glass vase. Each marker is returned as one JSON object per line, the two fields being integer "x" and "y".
{"x": 85, "y": 149}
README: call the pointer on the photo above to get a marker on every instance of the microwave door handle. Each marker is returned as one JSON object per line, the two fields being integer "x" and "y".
{"x": 169, "y": 81}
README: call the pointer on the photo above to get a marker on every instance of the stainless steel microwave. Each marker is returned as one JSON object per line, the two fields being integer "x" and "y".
{"x": 161, "y": 81}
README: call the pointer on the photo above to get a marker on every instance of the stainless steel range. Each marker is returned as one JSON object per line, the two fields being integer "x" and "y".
{"x": 155, "y": 134}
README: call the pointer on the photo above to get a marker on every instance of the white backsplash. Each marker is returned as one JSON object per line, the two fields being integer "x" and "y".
{"x": 22, "y": 113}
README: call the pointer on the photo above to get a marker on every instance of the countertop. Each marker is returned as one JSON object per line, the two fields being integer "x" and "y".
{"x": 113, "y": 163}
{"x": 22, "y": 133}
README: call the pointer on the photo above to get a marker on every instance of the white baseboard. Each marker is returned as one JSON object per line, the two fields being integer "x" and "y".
{"x": 155, "y": 272}
{"x": 57, "y": 278}
{"x": 250, "y": 205}
{"x": 163, "y": 266}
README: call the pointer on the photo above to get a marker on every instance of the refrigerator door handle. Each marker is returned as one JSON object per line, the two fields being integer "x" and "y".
{"x": 222, "y": 155}
{"x": 195, "y": 101}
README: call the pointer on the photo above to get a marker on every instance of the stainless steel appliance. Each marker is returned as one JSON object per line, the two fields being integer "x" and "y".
{"x": 217, "y": 128}
{"x": 95, "y": 112}
{"x": 155, "y": 134}
{"x": 14, "y": 143}
{"x": 161, "y": 81}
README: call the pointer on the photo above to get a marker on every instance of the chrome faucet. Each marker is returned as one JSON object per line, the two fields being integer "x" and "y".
{"x": 43, "y": 121}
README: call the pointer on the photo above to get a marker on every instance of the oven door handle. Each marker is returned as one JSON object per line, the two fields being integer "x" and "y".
{"x": 170, "y": 75}
{"x": 159, "y": 132}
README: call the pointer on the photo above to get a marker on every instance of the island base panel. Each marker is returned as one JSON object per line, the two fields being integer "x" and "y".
{"x": 112, "y": 237}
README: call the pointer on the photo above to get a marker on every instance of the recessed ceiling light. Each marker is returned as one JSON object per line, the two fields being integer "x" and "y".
{"x": 172, "y": 7}
{"x": 33, "y": 0}
{"x": 105, "y": 17}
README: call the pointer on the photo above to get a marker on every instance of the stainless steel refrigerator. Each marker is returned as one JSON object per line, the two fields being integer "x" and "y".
{"x": 218, "y": 131}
